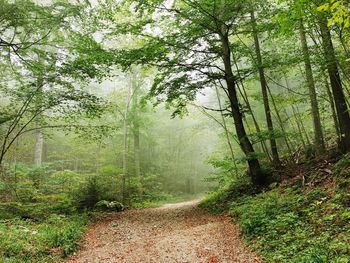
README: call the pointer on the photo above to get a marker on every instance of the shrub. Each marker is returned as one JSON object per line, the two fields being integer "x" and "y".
{"x": 88, "y": 194}
{"x": 218, "y": 201}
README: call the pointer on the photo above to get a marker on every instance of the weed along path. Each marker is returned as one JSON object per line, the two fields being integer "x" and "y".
{"x": 172, "y": 233}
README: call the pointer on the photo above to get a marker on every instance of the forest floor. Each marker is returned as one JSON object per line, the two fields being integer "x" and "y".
{"x": 179, "y": 232}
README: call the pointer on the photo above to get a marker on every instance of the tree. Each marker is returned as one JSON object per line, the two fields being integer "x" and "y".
{"x": 319, "y": 141}
{"x": 191, "y": 53}
{"x": 275, "y": 157}
{"x": 336, "y": 85}
{"x": 45, "y": 52}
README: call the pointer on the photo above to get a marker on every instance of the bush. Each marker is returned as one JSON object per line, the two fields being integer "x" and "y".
{"x": 88, "y": 194}
{"x": 61, "y": 182}
{"x": 218, "y": 201}
{"x": 37, "y": 211}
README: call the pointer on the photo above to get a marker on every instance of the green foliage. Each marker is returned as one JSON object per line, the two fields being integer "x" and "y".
{"x": 339, "y": 10}
{"x": 225, "y": 170}
{"x": 292, "y": 226}
{"x": 36, "y": 211}
{"x": 219, "y": 200}
{"x": 46, "y": 241}
{"x": 89, "y": 193}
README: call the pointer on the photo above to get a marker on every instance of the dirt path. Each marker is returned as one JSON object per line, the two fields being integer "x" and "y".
{"x": 172, "y": 233}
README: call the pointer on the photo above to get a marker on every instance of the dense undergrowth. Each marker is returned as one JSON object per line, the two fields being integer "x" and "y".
{"x": 306, "y": 218}
{"x": 45, "y": 211}
{"x": 45, "y": 240}
{"x": 38, "y": 232}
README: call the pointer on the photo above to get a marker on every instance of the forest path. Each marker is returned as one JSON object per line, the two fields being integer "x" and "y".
{"x": 172, "y": 233}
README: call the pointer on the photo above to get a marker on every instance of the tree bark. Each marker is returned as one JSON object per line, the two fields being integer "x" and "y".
{"x": 318, "y": 134}
{"x": 273, "y": 144}
{"x": 246, "y": 100}
{"x": 331, "y": 103}
{"x": 253, "y": 163}
{"x": 336, "y": 85}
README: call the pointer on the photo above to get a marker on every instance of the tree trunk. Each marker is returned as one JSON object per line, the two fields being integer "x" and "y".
{"x": 318, "y": 140}
{"x": 245, "y": 144}
{"x": 38, "y": 151}
{"x": 299, "y": 127}
{"x": 302, "y": 125}
{"x": 246, "y": 100}
{"x": 334, "y": 113}
{"x": 256, "y": 124}
{"x": 227, "y": 134}
{"x": 279, "y": 118}
{"x": 296, "y": 115}
{"x": 274, "y": 150}
{"x": 136, "y": 129}
{"x": 336, "y": 85}
{"x": 136, "y": 133}
{"x": 125, "y": 147}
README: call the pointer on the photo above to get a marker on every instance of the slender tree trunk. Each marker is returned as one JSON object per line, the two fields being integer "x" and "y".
{"x": 256, "y": 124}
{"x": 336, "y": 85}
{"x": 273, "y": 144}
{"x": 39, "y": 138}
{"x": 245, "y": 144}
{"x": 300, "y": 131}
{"x": 136, "y": 129}
{"x": 334, "y": 113}
{"x": 125, "y": 143}
{"x": 125, "y": 158}
{"x": 39, "y": 145}
{"x": 318, "y": 140}
{"x": 227, "y": 134}
{"x": 280, "y": 121}
{"x": 299, "y": 122}
{"x": 136, "y": 133}
{"x": 302, "y": 125}
{"x": 246, "y": 100}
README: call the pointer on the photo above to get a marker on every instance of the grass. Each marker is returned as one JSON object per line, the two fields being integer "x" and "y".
{"x": 40, "y": 241}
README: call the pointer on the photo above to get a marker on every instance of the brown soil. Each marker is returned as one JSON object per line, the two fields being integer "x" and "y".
{"x": 172, "y": 233}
